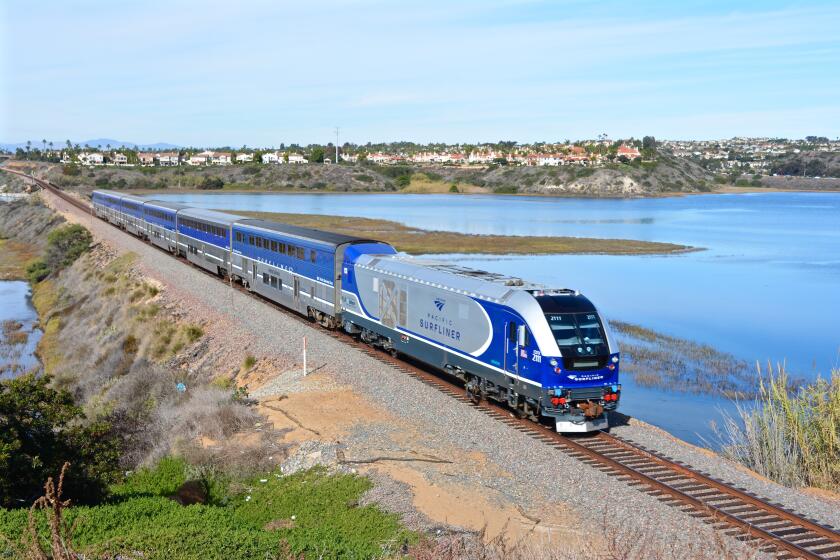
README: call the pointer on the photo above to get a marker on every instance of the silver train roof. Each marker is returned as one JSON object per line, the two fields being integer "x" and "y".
{"x": 448, "y": 276}
{"x": 210, "y": 215}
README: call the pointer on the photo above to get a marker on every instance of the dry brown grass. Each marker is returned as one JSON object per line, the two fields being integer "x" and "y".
{"x": 417, "y": 241}
{"x": 60, "y": 543}
{"x": 14, "y": 257}
{"x": 423, "y": 184}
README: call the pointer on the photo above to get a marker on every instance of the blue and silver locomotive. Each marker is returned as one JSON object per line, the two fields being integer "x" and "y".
{"x": 545, "y": 353}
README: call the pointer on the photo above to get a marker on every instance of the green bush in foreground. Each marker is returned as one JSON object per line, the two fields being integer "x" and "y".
{"x": 40, "y": 429}
{"x": 791, "y": 436}
{"x": 315, "y": 513}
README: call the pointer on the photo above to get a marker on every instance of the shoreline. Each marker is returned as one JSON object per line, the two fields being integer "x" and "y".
{"x": 728, "y": 189}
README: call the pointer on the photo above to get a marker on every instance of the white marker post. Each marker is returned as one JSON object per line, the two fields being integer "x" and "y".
{"x": 304, "y": 356}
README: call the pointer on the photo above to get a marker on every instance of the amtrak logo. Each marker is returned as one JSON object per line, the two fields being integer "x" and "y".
{"x": 439, "y": 303}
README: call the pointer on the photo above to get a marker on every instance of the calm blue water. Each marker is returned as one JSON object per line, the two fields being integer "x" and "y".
{"x": 766, "y": 287}
{"x": 15, "y": 305}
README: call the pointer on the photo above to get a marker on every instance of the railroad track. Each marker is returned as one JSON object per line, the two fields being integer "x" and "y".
{"x": 767, "y": 526}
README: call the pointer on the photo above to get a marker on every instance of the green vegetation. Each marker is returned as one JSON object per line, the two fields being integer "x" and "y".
{"x": 418, "y": 241}
{"x": 211, "y": 183}
{"x": 506, "y": 190}
{"x": 40, "y": 428}
{"x": 249, "y": 362}
{"x": 317, "y": 155}
{"x": 791, "y": 436}
{"x": 269, "y": 516}
{"x": 71, "y": 170}
{"x": 36, "y": 271}
{"x": 65, "y": 244}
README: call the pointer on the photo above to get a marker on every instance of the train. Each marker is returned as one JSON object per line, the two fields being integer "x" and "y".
{"x": 546, "y": 353}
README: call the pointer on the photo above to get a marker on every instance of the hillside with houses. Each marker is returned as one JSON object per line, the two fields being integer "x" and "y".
{"x": 600, "y": 167}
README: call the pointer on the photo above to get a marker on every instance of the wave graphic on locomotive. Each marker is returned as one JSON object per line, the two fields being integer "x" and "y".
{"x": 546, "y": 353}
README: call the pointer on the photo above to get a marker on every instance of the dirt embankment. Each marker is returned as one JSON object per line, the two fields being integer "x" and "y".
{"x": 24, "y": 225}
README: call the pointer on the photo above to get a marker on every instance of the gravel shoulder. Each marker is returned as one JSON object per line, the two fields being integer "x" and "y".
{"x": 485, "y": 468}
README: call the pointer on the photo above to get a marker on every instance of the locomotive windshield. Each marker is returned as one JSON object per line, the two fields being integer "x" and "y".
{"x": 579, "y": 332}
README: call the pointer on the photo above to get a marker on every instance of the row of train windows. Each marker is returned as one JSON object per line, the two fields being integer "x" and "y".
{"x": 276, "y": 246}
{"x": 201, "y": 226}
{"x": 161, "y": 215}
{"x": 132, "y": 205}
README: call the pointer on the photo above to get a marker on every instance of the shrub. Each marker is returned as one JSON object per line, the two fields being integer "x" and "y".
{"x": 36, "y": 271}
{"x": 250, "y": 361}
{"x": 71, "y": 170}
{"x": 211, "y": 183}
{"x": 251, "y": 170}
{"x": 40, "y": 429}
{"x": 791, "y": 435}
{"x": 65, "y": 244}
{"x": 403, "y": 181}
{"x": 508, "y": 189}
{"x": 363, "y": 178}
{"x": 193, "y": 332}
{"x": 454, "y": 188}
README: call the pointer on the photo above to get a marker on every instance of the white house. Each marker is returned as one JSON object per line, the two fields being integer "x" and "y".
{"x": 380, "y": 158}
{"x": 168, "y": 159}
{"x": 297, "y": 158}
{"x": 549, "y": 159}
{"x": 120, "y": 159}
{"x": 351, "y": 158}
{"x": 91, "y": 158}
{"x": 220, "y": 158}
{"x": 244, "y": 158}
{"x": 198, "y": 159}
{"x": 270, "y": 157}
{"x": 146, "y": 158}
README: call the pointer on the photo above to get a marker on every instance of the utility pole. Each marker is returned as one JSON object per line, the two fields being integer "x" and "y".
{"x": 336, "y": 144}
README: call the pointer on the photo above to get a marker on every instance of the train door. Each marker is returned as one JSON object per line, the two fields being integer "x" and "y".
{"x": 512, "y": 351}
{"x": 297, "y": 289}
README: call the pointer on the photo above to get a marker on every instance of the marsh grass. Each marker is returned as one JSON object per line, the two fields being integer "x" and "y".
{"x": 419, "y": 241}
{"x": 791, "y": 436}
{"x": 655, "y": 359}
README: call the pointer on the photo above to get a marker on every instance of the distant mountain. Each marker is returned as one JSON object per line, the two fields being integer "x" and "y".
{"x": 95, "y": 143}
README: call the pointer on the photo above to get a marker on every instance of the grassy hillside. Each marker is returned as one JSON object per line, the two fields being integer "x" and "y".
{"x": 667, "y": 175}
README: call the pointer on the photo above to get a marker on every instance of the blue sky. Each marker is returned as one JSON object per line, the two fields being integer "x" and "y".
{"x": 261, "y": 73}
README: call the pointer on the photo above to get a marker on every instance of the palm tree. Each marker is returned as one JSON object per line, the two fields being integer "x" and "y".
{"x": 51, "y": 146}
{"x": 44, "y": 142}
{"x": 28, "y": 145}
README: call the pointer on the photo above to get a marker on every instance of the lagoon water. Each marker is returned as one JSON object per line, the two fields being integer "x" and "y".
{"x": 766, "y": 287}
{"x": 15, "y": 305}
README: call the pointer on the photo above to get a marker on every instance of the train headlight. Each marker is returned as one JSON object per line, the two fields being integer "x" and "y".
{"x": 553, "y": 362}
{"x": 615, "y": 359}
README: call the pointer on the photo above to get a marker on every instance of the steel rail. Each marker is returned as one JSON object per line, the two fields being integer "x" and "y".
{"x": 717, "y": 502}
